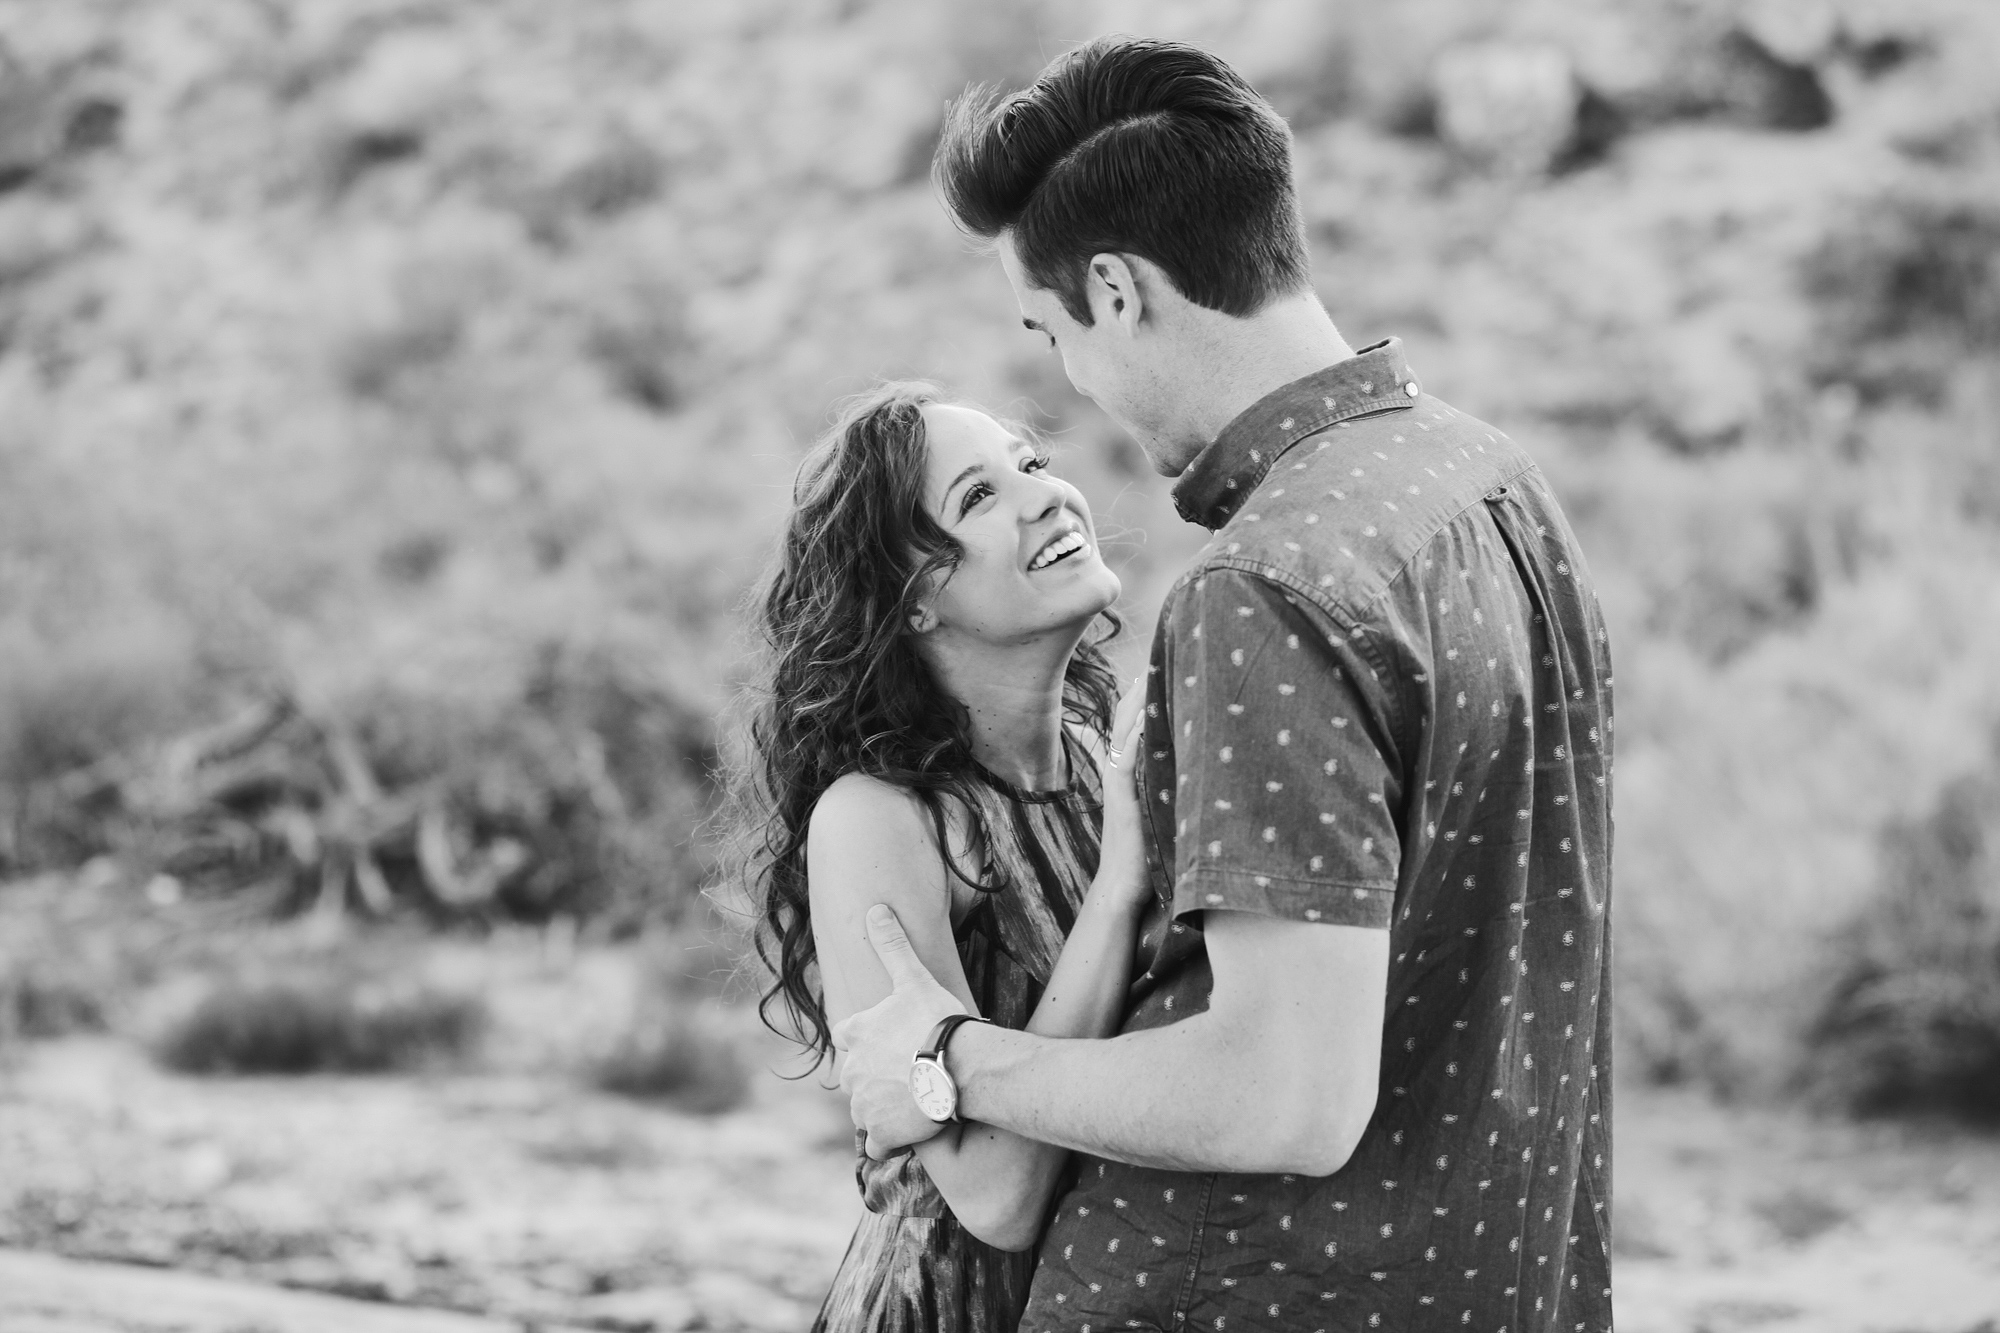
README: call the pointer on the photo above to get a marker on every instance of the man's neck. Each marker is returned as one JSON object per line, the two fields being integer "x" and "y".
{"x": 1241, "y": 360}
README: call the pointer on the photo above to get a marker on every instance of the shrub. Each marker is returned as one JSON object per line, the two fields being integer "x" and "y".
{"x": 679, "y": 1053}
{"x": 1908, "y": 285}
{"x": 573, "y": 793}
{"x": 70, "y": 954}
{"x": 1913, "y": 1019}
{"x": 320, "y": 1021}
{"x": 37, "y": 1003}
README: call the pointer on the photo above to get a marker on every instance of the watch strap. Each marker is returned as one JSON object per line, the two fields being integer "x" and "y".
{"x": 933, "y": 1047}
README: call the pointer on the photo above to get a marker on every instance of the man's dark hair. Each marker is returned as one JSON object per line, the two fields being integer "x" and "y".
{"x": 1134, "y": 146}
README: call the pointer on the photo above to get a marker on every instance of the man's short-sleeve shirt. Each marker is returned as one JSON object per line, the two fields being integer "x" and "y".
{"x": 1379, "y": 697}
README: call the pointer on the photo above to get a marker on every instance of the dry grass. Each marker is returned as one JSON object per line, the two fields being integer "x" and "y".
{"x": 332, "y": 1022}
{"x": 38, "y": 1004}
{"x": 677, "y": 1053}
{"x": 1913, "y": 1019}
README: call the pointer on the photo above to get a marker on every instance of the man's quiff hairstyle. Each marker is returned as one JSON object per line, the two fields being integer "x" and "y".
{"x": 1132, "y": 146}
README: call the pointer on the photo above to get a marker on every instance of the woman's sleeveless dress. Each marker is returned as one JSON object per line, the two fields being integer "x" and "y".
{"x": 911, "y": 1266}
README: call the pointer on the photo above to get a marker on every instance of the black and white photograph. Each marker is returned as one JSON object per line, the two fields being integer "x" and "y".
{"x": 959, "y": 666}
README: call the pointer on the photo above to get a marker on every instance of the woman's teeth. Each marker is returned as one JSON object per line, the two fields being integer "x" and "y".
{"x": 1067, "y": 544}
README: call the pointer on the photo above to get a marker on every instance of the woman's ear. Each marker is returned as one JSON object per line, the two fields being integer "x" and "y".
{"x": 923, "y": 620}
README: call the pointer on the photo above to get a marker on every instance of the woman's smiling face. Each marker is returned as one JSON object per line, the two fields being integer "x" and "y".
{"x": 1030, "y": 563}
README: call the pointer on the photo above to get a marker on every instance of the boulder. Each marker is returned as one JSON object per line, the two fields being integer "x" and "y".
{"x": 47, "y": 115}
{"x": 403, "y": 85}
{"x": 1509, "y": 105}
{"x": 1796, "y": 32}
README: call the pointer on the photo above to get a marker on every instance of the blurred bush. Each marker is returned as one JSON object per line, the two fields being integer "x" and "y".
{"x": 579, "y": 798}
{"x": 1912, "y": 1021}
{"x": 72, "y": 951}
{"x": 1911, "y": 286}
{"x": 322, "y": 1018}
{"x": 675, "y": 1051}
{"x": 670, "y": 1040}
{"x": 38, "y": 1002}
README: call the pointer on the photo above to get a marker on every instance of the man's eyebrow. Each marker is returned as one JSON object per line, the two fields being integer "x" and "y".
{"x": 953, "y": 485}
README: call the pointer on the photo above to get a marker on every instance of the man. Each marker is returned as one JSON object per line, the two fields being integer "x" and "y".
{"x": 1364, "y": 1080}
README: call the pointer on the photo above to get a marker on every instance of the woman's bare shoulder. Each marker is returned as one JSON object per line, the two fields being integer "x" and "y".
{"x": 881, "y": 832}
{"x": 858, "y": 803}
{"x": 861, "y": 820}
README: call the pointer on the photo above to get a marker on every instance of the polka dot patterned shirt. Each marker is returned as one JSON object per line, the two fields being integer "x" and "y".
{"x": 1380, "y": 697}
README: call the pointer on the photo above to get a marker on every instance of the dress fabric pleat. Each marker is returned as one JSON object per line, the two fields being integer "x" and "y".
{"x": 911, "y": 1268}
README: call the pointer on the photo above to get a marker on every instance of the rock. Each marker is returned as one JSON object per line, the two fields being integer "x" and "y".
{"x": 1707, "y": 388}
{"x": 403, "y": 86}
{"x": 36, "y": 235}
{"x": 1759, "y": 65}
{"x": 46, "y": 116}
{"x": 205, "y": 1167}
{"x": 1749, "y": 82}
{"x": 1798, "y": 32}
{"x": 30, "y": 127}
{"x": 1509, "y": 105}
{"x": 1738, "y": 75}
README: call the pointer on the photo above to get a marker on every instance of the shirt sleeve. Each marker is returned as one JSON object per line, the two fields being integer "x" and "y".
{"x": 1283, "y": 759}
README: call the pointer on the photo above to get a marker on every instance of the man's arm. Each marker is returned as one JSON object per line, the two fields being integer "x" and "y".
{"x": 1282, "y": 787}
{"x": 1279, "y": 1074}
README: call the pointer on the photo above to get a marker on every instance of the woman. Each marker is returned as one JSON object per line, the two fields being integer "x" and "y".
{"x": 934, "y": 674}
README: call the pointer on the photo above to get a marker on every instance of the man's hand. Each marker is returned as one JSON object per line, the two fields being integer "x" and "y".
{"x": 876, "y": 1045}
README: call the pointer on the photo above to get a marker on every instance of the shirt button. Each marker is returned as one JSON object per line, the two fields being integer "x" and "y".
{"x": 1412, "y": 389}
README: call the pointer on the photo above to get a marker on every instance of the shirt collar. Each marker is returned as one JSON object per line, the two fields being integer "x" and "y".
{"x": 1222, "y": 476}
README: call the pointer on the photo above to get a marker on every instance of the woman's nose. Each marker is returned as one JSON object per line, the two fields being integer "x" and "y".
{"x": 1042, "y": 498}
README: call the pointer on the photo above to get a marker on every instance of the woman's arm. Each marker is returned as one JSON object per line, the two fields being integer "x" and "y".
{"x": 999, "y": 1184}
{"x": 870, "y": 843}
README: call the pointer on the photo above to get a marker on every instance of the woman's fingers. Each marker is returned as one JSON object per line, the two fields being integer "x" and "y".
{"x": 1125, "y": 723}
{"x": 1132, "y": 723}
{"x": 1129, "y": 704}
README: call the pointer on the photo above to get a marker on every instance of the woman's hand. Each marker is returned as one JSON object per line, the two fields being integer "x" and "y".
{"x": 1121, "y": 865}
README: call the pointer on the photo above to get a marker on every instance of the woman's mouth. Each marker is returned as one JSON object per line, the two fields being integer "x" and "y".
{"x": 1059, "y": 548}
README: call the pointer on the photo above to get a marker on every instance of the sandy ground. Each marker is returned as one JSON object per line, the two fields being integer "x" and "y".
{"x": 141, "y": 1202}
{"x": 44, "y": 1293}
{"x": 527, "y": 1197}
{"x": 1755, "y": 1219}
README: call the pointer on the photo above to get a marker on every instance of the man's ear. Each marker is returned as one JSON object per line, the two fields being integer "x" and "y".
{"x": 1111, "y": 285}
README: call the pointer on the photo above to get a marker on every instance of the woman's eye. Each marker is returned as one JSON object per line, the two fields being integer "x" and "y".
{"x": 974, "y": 493}
{"x": 1036, "y": 463}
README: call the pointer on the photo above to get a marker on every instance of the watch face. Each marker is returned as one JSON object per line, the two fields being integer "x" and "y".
{"x": 936, "y": 1094}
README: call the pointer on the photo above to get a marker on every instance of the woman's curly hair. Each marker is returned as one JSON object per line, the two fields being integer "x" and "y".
{"x": 844, "y": 689}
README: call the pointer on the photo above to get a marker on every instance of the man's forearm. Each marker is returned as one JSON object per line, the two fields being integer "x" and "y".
{"x": 1200, "y": 1095}
{"x": 1279, "y": 1073}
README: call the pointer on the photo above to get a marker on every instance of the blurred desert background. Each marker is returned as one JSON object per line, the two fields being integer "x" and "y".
{"x": 398, "y": 399}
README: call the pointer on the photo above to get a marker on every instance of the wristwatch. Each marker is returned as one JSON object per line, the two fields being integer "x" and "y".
{"x": 930, "y": 1082}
